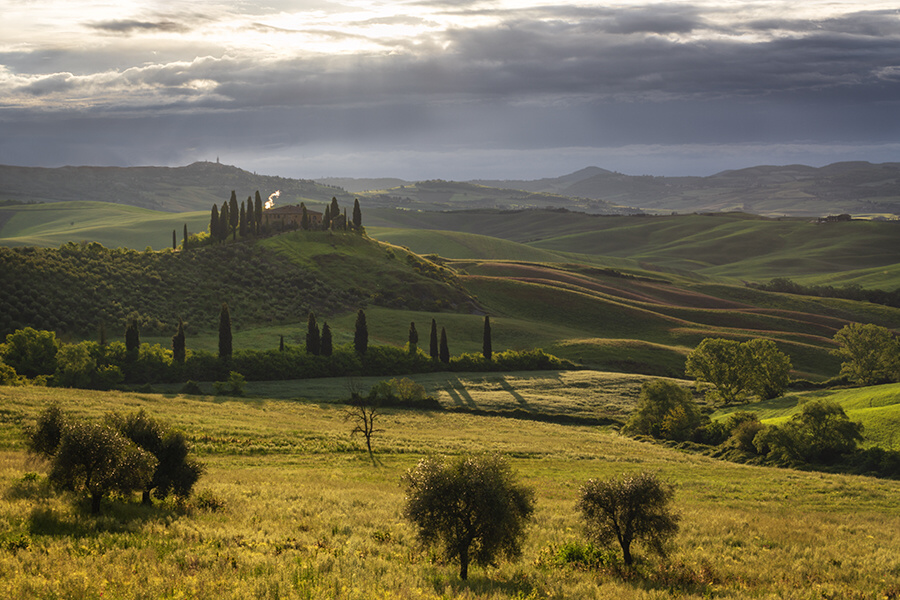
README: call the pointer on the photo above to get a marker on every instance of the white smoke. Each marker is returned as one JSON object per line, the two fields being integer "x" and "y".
{"x": 271, "y": 202}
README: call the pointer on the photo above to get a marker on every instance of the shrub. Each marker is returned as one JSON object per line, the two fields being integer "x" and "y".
{"x": 472, "y": 507}
{"x": 233, "y": 386}
{"x": 665, "y": 411}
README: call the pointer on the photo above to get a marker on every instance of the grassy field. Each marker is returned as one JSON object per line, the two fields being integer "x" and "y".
{"x": 306, "y": 515}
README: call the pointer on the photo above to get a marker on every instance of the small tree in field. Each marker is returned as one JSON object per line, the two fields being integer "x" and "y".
{"x": 326, "y": 347}
{"x": 433, "y": 341}
{"x": 98, "y": 460}
{"x": 486, "y": 345}
{"x": 225, "y": 347}
{"x": 361, "y": 333}
{"x": 628, "y": 509}
{"x": 472, "y": 507}
{"x": 178, "y": 344}
{"x": 363, "y": 412}
{"x": 313, "y": 337}
{"x": 444, "y": 352}
{"x": 413, "y": 338}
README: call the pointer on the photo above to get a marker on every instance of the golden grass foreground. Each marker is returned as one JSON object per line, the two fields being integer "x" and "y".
{"x": 306, "y": 515}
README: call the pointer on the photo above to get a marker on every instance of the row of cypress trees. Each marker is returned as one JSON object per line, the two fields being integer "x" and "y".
{"x": 438, "y": 348}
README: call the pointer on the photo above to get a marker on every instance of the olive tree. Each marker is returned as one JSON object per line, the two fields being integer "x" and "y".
{"x": 97, "y": 459}
{"x": 472, "y": 507}
{"x": 628, "y": 509}
{"x": 176, "y": 472}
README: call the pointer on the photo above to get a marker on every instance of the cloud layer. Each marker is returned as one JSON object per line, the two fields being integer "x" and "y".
{"x": 448, "y": 78}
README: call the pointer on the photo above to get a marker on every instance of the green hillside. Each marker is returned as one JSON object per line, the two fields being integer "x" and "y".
{"x": 876, "y": 407}
{"x": 731, "y": 247}
{"x": 74, "y": 289}
{"x": 113, "y": 225}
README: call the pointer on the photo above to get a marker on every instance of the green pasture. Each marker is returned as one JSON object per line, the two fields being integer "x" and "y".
{"x": 876, "y": 407}
{"x": 112, "y": 225}
{"x": 306, "y": 515}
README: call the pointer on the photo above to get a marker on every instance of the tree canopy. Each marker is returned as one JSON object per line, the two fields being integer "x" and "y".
{"x": 737, "y": 369}
{"x": 870, "y": 353}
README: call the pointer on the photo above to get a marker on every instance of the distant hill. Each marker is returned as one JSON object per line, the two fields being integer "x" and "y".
{"x": 172, "y": 189}
{"x": 859, "y": 188}
{"x": 440, "y": 195}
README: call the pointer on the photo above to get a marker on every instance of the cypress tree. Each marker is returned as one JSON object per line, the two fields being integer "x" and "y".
{"x": 433, "y": 346}
{"x": 486, "y": 347}
{"x": 313, "y": 341}
{"x": 259, "y": 211}
{"x": 326, "y": 220}
{"x": 214, "y": 223}
{"x": 184, "y": 239}
{"x": 174, "y": 240}
{"x": 233, "y": 215}
{"x": 224, "y": 219}
{"x": 344, "y": 221}
{"x": 326, "y": 340}
{"x": 224, "y": 333}
{"x": 103, "y": 340}
{"x": 361, "y": 335}
{"x": 357, "y": 215}
{"x": 132, "y": 337}
{"x": 335, "y": 209}
{"x": 281, "y": 344}
{"x": 304, "y": 217}
{"x": 178, "y": 346}
{"x": 413, "y": 338}
{"x": 251, "y": 217}
{"x": 242, "y": 220}
{"x": 445, "y": 350}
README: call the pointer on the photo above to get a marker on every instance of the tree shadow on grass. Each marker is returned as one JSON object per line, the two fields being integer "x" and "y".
{"x": 117, "y": 517}
{"x": 483, "y": 586}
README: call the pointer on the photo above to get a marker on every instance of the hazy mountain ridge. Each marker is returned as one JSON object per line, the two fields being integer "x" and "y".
{"x": 858, "y": 188}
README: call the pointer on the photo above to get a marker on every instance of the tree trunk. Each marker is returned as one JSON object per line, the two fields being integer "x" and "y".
{"x": 464, "y": 563}
{"x": 145, "y": 498}
{"x": 626, "y": 553}
{"x": 95, "y": 503}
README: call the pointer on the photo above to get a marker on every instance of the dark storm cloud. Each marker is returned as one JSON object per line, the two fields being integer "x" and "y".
{"x": 128, "y": 27}
{"x": 541, "y": 77}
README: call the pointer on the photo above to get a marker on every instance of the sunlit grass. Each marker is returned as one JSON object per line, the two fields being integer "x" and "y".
{"x": 307, "y": 516}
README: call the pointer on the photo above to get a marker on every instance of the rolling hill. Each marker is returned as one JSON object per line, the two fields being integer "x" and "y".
{"x": 179, "y": 189}
{"x": 858, "y": 188}
{"x": 732, "y": 247}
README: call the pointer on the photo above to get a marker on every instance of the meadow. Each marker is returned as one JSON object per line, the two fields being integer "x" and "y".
{"x": 291, "y": 507}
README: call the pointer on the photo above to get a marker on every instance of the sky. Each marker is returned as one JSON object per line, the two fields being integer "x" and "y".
{"x": 449, "y": 89}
